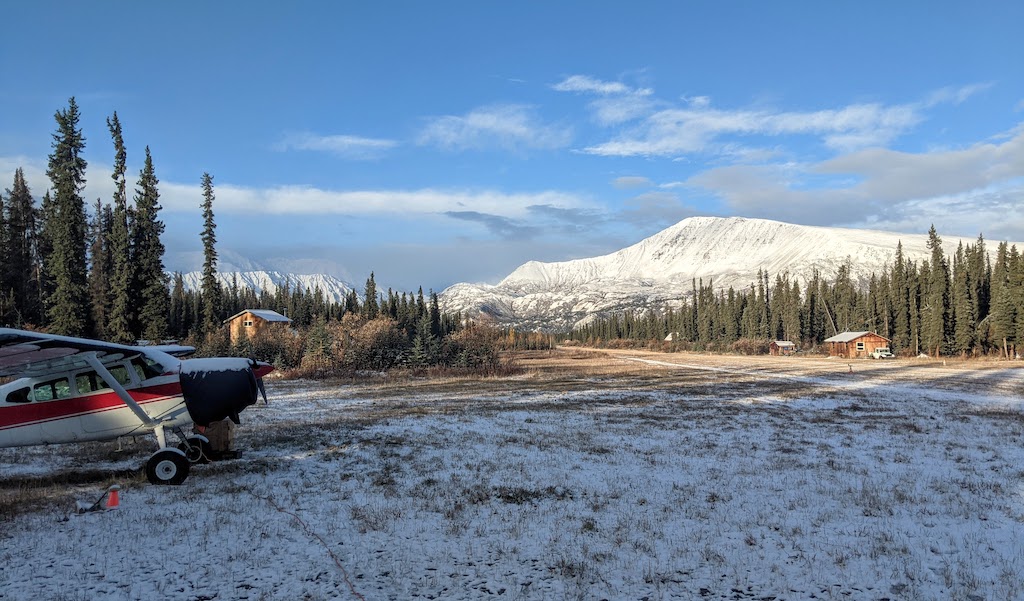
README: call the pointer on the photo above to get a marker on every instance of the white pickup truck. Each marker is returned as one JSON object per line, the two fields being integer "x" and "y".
{"x": 882, "y": 352}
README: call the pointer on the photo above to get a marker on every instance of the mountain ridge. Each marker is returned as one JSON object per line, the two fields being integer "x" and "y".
{"x": 660, "y": 269}
{"x": 332, "y": 288}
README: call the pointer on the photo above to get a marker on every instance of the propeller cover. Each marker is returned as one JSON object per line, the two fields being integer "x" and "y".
{"x": 217, "y": 388}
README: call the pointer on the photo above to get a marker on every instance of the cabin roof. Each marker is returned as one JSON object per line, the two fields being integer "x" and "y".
{"x": 851, "y": 336}
{"x": 264, "y": 314}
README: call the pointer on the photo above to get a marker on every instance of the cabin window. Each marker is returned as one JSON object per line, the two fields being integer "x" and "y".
{"x": 19, "y": 396}
{"x": 247, "y": 323}
{"x": 54, "y": 389}
{"x": 90, "y": 382}
{"x": 860, "y": 346}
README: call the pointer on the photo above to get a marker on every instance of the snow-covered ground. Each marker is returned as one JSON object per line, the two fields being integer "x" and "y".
{"x": 619, "y": 476}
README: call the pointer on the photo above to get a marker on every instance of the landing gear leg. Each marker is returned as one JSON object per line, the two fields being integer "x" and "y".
{"x": 196, "y": 448}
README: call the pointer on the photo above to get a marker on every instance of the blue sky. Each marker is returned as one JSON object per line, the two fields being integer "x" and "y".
{"x": 439, "y": 142}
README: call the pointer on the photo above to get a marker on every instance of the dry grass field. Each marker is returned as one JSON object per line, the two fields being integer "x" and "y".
{"x": 588, "y": 475}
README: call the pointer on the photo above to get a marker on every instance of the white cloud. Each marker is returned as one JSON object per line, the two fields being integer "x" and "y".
{"x": 351, "y": 147}
{"x": 308, "y": 200}
{"x": 697, "y": 130}
{"x": 698, "y": 127}
{"x": 631, "y": 182}
{"x": 587, "y": 84}
{"x": 955, "y": 96}
{"x": 510, "y": 126}
{"x": 619, "y": 103}
{"x": 976, "y": 188}
{"x": 888, "y": 175}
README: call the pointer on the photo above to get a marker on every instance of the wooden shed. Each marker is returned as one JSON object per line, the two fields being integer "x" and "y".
{"x": 251, "y": 322}
{"x": 783, "y": 348}
{"x": 855, "y": 345}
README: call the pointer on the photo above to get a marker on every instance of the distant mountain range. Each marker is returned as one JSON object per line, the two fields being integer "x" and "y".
{"x": 660, "y": 269}
{"x": 332, "y": 288}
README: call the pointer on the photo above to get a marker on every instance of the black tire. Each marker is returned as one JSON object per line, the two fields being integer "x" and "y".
{"x": 196, "y": 448}
{"x": 167, "y": 466}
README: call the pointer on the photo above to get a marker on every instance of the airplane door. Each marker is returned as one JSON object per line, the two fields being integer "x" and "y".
{"x": 103, "y": 412}
{"x": 53, "y": 406}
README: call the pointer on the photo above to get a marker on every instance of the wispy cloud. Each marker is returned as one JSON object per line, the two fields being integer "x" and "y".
{"x": 619, "y": 103}
{"x": 699, "y": 128}
{"x": 509, "y": 126}
{"x": 655, "y": 210}
{"x": 955, "y": 96}
{"x": 503, "y": 227}
{"x": 631, "y": 182}
{"x": 309, "y": 200}
{"x": 880, "y": 187}
{"x": 589, "y": 85}
{"x": 349, "y": 147}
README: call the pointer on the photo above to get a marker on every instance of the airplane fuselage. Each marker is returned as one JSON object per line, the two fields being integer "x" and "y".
{"x": 99, "y": 415}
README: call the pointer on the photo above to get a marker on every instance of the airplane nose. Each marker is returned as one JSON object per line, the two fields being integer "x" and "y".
{"x": 219, "y": 388}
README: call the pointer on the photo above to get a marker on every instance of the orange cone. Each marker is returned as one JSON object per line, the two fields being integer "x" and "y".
{"x": 113, "y": 501}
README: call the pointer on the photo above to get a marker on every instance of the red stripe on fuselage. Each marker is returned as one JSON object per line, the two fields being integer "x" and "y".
{"x": 45, "y": 411}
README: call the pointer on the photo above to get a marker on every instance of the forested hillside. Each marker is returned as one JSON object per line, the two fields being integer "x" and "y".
{"x": 960, "y": 304}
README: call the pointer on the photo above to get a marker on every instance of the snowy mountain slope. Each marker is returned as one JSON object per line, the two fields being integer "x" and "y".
{"x": 332, "y": 288}
{"x": 661, "y": 269}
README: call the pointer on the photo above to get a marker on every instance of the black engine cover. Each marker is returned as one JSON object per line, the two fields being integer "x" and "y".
{"x": 215, "y": 389}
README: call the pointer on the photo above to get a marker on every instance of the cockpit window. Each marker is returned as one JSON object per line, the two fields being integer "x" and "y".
{"x": 120, "y": 373}
{"x": 19, "y": 396}
{"x": 145, "y": 368}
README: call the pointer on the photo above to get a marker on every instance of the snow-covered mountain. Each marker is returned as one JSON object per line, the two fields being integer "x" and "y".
{"x": 660, "y": 270}
{"x": 332, "y": 288}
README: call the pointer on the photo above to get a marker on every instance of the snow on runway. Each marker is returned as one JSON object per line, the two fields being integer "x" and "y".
{"x": 616, "y": 487}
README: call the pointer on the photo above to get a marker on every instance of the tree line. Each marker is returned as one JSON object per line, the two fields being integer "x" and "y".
{"x": 80, "y": 275}
{"x": 101, "y": 275}
{"x": 960, "y": 304}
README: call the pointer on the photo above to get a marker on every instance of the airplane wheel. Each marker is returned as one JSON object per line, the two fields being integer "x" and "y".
{"x": 196, "y": 448}
{"x": 167, "y": 466}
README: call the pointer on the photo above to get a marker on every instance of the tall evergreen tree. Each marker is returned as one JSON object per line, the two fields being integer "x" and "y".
{"x": 19, "y": 250}
{"x": 935, "y": 310}
{"x": 122, "y": 277}
{"x": 371, "y": 308}
{"x": 65, "y": 229}
{"x": 99, "y": 270}
{"x": 210, "y": 288}
{"x": 150, "y": 280}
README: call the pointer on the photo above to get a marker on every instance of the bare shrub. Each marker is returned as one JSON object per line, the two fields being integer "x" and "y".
{"x": 751, "y": 346}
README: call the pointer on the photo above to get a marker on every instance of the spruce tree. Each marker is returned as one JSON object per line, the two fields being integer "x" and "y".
{"x": 963, "y": 304}
{"x": 210, "y": 287}
{"x": 935, "y": 310}
{"x": 121, "y": 315}
{"x": 20, "y": 239}
{"x": 150, "y": 278}
{"x": 370, "y": 306}
{"x": 8, "y": 312}
{"x": 99, "y": 271}
{"x": 65, "y": 229}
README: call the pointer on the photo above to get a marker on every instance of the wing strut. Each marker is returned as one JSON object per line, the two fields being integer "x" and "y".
{"x": 137, "y": 409}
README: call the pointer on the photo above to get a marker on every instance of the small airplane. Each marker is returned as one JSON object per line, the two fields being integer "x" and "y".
{"x": 78, "y": 389}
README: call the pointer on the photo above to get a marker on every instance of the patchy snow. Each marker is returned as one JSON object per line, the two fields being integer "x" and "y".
{"x": 214, "y": 364}
{"x": 680, "y": 477}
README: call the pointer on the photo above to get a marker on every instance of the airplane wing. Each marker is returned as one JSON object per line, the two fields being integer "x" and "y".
{"x": 26, "y": 354}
